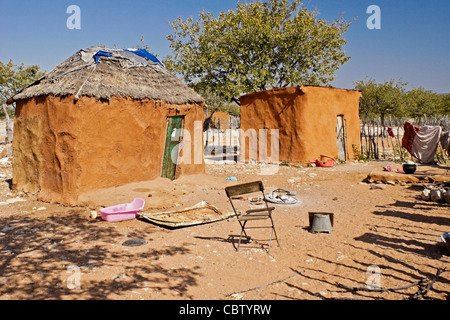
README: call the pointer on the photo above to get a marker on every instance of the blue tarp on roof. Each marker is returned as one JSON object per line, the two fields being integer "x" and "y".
{"x": 101, "y": 53}
{"x": 141, "y": 52}
{"x": 144, "y": 53}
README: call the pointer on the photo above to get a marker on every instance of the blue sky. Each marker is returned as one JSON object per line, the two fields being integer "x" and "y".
{"x": 412, "y": 45}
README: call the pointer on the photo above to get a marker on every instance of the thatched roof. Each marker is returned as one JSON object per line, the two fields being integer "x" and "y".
{"x": 123, "y": 73}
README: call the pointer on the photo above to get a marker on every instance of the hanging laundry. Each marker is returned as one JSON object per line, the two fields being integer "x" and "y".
{"x": 391, "y": 132}
{"x": 408, "y": 136}
{"x": 421, "y": 142}
{"x": 445, "y": 142}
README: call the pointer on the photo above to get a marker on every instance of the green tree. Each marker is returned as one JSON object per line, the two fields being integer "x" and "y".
{"x": 445, "y": 107}
{"x": 13, "y": 78}
{"x": 381, "y": 99}
{"x": 257, "y": 46}
{"x": 424, "y": 102}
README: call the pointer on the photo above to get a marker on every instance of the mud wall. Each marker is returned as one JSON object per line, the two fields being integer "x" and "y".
{"x": 274, "y": 109}
{"x": 306, "y": 119}
{"x": 63, "y": 147}
{"x": 224, "y": 119}
{"x": 324, "y": 105}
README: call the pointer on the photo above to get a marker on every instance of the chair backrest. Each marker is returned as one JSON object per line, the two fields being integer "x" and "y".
{"x": 250, "y": 187}
{"x": 244, "y": 188}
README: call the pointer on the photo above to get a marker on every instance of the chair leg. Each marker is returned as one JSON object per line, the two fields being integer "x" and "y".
{"x": 242, "y": 232}
{"x": 270, "y": 240}
{"x": 272, "y": 232}
{"x": 243, "y": 229}
{"x": 273, "y": 227}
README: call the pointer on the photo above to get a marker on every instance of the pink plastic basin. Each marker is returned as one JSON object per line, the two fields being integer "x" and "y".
{"x": 122, "y": 212}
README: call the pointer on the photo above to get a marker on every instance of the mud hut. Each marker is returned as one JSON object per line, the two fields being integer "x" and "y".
{"x": 312, "y": 121}
{"x": 103, "y": 118}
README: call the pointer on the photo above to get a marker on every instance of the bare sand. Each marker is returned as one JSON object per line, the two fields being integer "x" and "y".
{"x": 48, "y": 251}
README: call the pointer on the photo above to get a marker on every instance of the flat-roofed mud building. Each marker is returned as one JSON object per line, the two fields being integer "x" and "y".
{"x": 312, "y": 121}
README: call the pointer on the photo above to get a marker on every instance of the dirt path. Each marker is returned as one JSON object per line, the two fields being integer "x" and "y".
{"x": 48, "y": 251}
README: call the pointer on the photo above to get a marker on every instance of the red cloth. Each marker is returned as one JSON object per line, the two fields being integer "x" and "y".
{"x": 391, "y": 133}
{"x": 408, "y": 136}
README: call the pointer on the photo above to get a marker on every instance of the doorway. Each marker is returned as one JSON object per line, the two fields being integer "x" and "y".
{"x": 341, "y": 138}
{"x": 173, "y": 139}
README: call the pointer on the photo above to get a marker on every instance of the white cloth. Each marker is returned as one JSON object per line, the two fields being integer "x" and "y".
{"x": 425, "y": 143}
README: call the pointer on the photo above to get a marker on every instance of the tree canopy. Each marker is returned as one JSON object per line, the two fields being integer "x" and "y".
{"x": 392, "y": 98}
{"x": 14, "y": 78}
{"x": 380, "y": 99}
{"x": 420, "y": 101}
{"x": 257, "y": 46}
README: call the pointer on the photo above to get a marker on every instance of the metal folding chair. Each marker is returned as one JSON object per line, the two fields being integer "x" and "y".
{"x": 253, "y": 214}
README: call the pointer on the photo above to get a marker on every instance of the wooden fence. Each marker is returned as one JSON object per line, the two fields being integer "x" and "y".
{"x": 383, "y": 139}
{"x": 380, "y": 140}
{"x": 222, "y": 132}
{"x": 221, "y": 138}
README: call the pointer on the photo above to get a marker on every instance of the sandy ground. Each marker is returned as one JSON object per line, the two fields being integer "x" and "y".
{"x": 390, "y": 236}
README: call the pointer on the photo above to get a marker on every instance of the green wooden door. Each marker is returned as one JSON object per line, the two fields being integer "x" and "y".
{"x": 173, "y": 136}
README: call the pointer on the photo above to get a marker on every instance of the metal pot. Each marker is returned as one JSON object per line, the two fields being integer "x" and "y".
{"x": 409, "y": 168}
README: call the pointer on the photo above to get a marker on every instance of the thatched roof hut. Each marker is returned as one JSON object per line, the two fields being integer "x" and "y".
{"x": 103, "y": 73}
{"x": 103, "y": 118}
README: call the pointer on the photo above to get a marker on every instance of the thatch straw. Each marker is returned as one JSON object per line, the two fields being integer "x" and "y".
{"x": 123, "y": 74}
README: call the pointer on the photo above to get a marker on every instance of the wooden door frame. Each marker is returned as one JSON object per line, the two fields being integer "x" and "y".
{"x": 344, "y": 136}
{"x": 168, "y": 136}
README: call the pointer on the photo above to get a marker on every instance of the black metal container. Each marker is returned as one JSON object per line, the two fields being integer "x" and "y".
{"x": 409, "y": 168}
